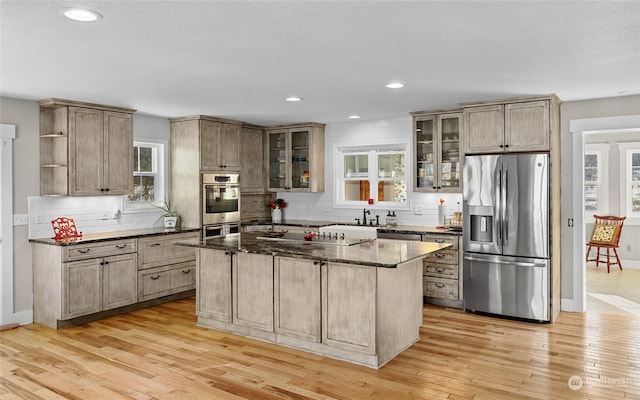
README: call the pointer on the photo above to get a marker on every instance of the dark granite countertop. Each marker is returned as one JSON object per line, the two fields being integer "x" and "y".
{"x": 411, "y": 229}
{"x": 375, "y": 253}
{"x": 98, "y": 237}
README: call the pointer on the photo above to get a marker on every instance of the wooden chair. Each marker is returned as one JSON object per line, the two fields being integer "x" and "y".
{"x": 606, "y": 235}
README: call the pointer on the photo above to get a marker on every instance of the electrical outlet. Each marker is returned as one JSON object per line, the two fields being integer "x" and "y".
{"x": 21, "y": 219}
{"x": 629, "y": 248}
{"x": 37, "y": 218}
{"x": 417, "y": 210}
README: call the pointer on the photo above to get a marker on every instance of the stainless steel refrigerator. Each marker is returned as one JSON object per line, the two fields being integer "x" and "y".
{"x": 506, "y": 265}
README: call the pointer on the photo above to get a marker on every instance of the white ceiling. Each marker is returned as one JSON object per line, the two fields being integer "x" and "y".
{"x": 241, "y": 59}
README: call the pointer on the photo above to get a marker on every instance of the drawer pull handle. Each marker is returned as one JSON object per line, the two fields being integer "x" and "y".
{"x": 186, "y": 271}
{"x": 439, "y": 269}
{"x": 121, "y": 246}
{"x": 440, "y": 255}
{"x": 83, "y": 251}
{"x": 439, "y": 240}
{"x": 155, "y": 245}
{"x": 440, "y": 285}
{"x": 155, "y": 277}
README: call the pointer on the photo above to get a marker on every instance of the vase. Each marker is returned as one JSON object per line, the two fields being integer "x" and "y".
{"x": 170, "y": 222}
{"x": 276, "y": 216}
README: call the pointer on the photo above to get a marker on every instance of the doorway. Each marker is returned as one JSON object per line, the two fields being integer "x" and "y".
{"x": 580, "y": 129}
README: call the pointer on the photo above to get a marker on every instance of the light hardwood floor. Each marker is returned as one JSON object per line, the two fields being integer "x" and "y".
{"x": 615, "y": 292}
{"x": 160, "y": 353}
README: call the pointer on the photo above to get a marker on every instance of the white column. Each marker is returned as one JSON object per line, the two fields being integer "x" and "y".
{"x": 7, "y": 134}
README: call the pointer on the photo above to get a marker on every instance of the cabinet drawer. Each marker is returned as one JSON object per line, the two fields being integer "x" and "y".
{"x": 443, "y": 257}
{"x": 163, "y": 281}
{"x": 442, "y": 239}
{"x": 99, "y": 249}
{"x": 443, "y": 288}
{"x": 447, "y": 271}
{"x": 160, "y": 250}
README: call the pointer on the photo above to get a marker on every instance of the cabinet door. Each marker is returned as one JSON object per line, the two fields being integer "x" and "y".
{"x": 426, "y": 153}
{"x": 278, "y": 154}
{"x": 82, "y": 288}
{"x": 229, "y": 147}
{"x": 484, "y": 129}
{"x": 253, "y": 291}
{"x": 297, "y": 298}
{"x": 449, "y": 152}
{"x": 118, "y": 153}
{"x": 527, "y": 126}
{"x": 86, "y": 155}
{"x": 251, "y": 161}
{"x": 213, "y": 284}
{"x": 120, "y": 281}
{"x": 300, "y": 142}
{"x": 210, "y": 133}
{"x": 348, "y": 307}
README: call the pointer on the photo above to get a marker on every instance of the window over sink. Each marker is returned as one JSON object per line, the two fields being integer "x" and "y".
{"x": 376, "y": 172}
{"x": 149, "y": 175}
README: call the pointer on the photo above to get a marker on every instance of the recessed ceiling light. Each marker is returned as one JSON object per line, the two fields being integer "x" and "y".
{"x": 294, "y": 98}
{"x": 82, "y": 15}
{"x": 395, "y": 85}
{"x": 354, "y": 116}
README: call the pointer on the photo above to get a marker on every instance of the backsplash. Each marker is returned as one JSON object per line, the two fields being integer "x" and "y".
{"x": 91, "y": 214}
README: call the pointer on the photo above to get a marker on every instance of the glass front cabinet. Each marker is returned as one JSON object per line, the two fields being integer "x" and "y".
{"x": 296, "y": 158}
{"x": 438, "y": 166}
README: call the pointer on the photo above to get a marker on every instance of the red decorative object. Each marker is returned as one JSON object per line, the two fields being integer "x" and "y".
{"x": 65, "y": 228}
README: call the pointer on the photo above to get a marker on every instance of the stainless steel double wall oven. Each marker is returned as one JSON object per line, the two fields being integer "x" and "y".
{"x": 220, "y": 204}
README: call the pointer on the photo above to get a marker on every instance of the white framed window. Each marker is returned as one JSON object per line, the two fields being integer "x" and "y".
{"x": 630, "y": 181}
{"x": 596, "y": 180}
{"x": 371, "y": 176}
{"x": 149, "y": 175}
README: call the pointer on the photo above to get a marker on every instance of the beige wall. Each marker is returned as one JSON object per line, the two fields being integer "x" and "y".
{"x": 26, "y": 182}
{"x": 576, "y": 110}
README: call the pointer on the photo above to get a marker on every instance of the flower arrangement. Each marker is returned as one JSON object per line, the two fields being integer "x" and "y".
{"x": 277, "y": 204}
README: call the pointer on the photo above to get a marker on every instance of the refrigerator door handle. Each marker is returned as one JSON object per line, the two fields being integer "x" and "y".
{"x": 519, "y": 264}
{"x": 505, "y": 220}
{"x": 498, "y": 212}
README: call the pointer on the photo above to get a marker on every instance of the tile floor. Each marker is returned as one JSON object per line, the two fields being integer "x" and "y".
{"x": 617, "y": 292}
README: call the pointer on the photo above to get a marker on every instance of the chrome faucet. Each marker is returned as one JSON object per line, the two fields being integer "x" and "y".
{"x": 364, "y": 216}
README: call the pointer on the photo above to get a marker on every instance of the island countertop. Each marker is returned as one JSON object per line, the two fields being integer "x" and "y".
{"x": 376, "y": 252}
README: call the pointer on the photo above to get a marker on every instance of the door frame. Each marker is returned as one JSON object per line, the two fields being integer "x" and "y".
{"x": 579, "y": 128}
{"x": 7, "y": 134}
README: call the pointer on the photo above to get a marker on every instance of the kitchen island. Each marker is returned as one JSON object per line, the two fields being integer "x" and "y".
{"x": 360, "y": 303}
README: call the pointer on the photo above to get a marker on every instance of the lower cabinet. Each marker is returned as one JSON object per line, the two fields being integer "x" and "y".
{"x": 95, "y": 285}
{"x": 349, "y": 307}
{"x": 442, "y": 280}
{"x": 82, "y": 282}
{"x": 297, "y": 298}
{"x": 213, "y": 285}
{"x": 162, "y": 281}
{"x": 252, "y": 279}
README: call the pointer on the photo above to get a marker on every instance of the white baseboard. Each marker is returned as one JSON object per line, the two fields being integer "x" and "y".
{"x": 568, "y": 305}
{"x": 631, "y": 264}
{"x": 23, "y": 317}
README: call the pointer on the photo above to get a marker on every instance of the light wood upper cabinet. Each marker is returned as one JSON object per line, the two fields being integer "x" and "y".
{"x": 219, "y": 145}
{"x": 436, "y": 141}
{"x": 515, "y": 125}
{"x": 252, "y": 177}
{"x": 85, "y": 149}
{"x": 295, "y": 156}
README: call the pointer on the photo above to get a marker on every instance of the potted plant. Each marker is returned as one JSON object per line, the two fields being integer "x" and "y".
{"x": 171, "y": 216}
